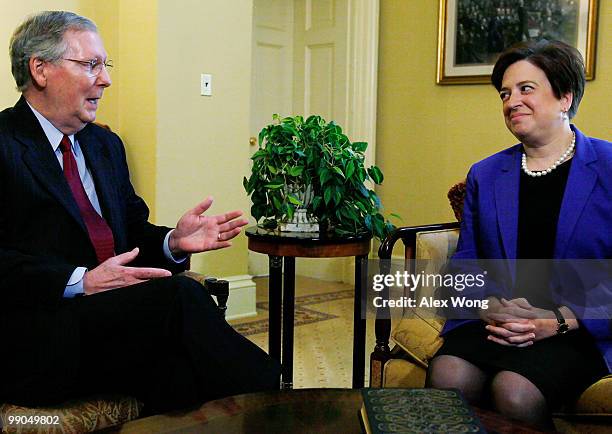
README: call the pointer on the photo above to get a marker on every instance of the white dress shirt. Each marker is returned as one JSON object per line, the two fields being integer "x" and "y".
{"x": 74, "y": 286}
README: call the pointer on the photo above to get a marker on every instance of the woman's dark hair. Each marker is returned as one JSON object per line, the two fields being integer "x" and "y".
{"x": 562, "y": 64}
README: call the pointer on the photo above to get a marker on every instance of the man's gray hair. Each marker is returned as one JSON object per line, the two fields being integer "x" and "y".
{"x": 42, "y": 35}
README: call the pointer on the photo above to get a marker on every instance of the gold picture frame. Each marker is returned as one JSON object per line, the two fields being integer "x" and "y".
{"x": 467, "y": 51}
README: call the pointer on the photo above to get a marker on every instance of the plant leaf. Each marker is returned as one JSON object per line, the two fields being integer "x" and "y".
{"x": 364, "y": 190}
{"x": 376, "y": 174}
{"x": 361, "y": 206}
{"x": 294, "y": 200}
{"x": 350, "y": 168}
{"x": 325, "y": 176}
{"x": 361, "y": 174}
{"x": 290, "y": 212}
{"x": 368, "y": 222}
{"x": 259, "y": 154}
{"x": 277, "y": 204}
{"x": 296, "y": 170}
{"x": 327, "y": 195}
{"x": 337, "y": 197}
{"x": 360, "y": 146}
{"x": 274, "y": 186}
{"x": 339, "y": 172}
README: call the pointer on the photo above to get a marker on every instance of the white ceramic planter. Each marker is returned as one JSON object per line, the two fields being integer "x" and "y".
{"x": 301, "y": 221}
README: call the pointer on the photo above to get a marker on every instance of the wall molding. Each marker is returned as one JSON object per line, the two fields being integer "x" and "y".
{"x": 241, "y": 302}
{"x": 363, "y": 73}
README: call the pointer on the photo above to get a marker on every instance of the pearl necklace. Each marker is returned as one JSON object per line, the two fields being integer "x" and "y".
{"x": 561, "y": 159}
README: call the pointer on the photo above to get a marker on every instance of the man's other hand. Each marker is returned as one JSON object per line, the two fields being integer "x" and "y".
{"x": 197, "y": 233}
{"x": 113, "y": 273}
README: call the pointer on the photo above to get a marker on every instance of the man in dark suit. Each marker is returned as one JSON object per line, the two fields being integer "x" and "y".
{"x": 88, "y": 300}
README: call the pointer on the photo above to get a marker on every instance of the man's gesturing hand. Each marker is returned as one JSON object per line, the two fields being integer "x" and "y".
{"x": 112, "y": 273}
{"x": 196, "y": 233}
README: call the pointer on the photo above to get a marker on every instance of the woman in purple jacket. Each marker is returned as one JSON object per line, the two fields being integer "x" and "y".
{"x": 540, "y": 343}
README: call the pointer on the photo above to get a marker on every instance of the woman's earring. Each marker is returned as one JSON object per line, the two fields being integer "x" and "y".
{"x": 564, "y": 115}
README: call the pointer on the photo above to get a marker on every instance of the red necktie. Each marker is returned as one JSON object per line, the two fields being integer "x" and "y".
{"x": 100, "y": 234}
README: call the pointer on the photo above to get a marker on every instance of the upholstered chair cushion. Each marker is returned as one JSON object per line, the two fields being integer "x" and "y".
{"x": 418, "y": 331}
{"x": 72, "y": 417}
{"x": 401, "y": 373}
{"x": 597, "y": 398}
{"x": 418, "y": 338}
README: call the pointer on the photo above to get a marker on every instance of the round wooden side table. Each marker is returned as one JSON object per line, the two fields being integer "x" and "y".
{"x": 282, "y": 248}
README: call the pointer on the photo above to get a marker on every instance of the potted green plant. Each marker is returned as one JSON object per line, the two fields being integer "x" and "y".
{"x": 310, "y": 167}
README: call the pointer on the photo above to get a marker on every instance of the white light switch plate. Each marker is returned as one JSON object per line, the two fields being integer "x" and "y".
{"x": 206, "y": 84}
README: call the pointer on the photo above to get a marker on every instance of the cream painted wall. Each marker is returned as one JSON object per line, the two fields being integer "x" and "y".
{"x": 104, "y": 14}
{"x": 138, "y": 49}
{"x": 129, "y": 30}
{"x": 429, "y": 135}
{"x": 203, "y": 142}
{"x": 13, "y": 13}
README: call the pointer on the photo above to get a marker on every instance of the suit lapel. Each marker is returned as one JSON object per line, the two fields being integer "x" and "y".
{"x": 506, "y": 201}
{"x": 96, "y": 156}
{"x": 580, "y": 183}
{"x": 39, "y": 157}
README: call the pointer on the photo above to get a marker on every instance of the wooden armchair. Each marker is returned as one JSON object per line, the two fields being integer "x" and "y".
{"x": 95, "y": 412}
{"x": 416, "y": 335}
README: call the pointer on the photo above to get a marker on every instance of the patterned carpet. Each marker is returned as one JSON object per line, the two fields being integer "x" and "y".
{"x": 323, "y": 332}
{"x": 303, "y": 315}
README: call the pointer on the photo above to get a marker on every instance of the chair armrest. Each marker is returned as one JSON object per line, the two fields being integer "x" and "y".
{"x": 382, "y": 324}
{"x": 218, "y": 288}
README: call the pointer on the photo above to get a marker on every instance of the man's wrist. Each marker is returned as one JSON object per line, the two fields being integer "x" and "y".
{"x": 173, "y": 254}
{"x": 172, "y": 244}
{"x": 75, "y": 285}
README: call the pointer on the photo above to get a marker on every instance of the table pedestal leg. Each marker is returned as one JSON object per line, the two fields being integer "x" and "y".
{"x": 274, "y": 299}
{"x": 359, "y": 323}
{"x": 288, "y": 318}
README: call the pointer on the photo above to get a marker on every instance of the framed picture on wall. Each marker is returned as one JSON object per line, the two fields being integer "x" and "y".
{"x": 472, "y": 33}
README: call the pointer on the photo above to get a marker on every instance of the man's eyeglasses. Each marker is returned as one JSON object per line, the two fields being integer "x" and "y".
{"x": 94, "y": 66}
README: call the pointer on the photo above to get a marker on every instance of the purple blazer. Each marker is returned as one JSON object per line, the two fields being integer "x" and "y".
{"x": 584, "y": 231}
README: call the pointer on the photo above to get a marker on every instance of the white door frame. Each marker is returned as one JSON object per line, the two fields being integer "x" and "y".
{"x": 363, "y": 73}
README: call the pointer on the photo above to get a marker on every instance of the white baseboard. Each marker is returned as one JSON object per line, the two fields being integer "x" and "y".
{"x": 258, "y": 264}
{"x": 241, "y": 302}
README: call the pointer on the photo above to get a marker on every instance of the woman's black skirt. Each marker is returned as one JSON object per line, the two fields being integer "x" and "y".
{"x": 562, "y": 366}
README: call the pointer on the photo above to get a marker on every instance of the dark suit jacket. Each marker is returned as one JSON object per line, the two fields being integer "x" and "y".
{"x": 43, "y": 237}
{"x": 490, "y": 227}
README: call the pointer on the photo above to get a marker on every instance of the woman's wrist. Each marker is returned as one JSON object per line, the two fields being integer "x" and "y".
{"x": 570, "y": 317}
{"x": 551, "y": 324}
{"x": 492, "y": 307}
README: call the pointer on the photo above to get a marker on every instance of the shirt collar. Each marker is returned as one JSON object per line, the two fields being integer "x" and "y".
{"x": 54, "y": 135}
